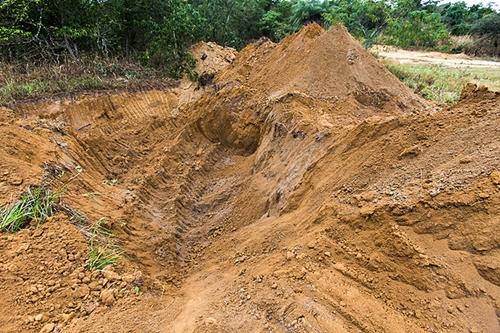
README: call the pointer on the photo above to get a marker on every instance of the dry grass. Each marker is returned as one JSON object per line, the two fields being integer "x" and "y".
{"x": 443, "y": 84}
{"x": 26, "y": 82}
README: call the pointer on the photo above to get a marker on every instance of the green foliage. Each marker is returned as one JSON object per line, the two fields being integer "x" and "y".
{"x": 307, "y": 11}
{"x": 36, "y": 204}
{"x": 275, "y": 23}
{"x": 102, "y": 252}
{"x": 420, "y": 29}
{"x": 158, "y": 32}
{"x": 232, "y": 22}
{"x": 487, "y": 25}
{"x": 365, "y": 19}
{"x": 171, "y": 36}
{"x": 100, "y": 258}
{"x": 460, "y": 18}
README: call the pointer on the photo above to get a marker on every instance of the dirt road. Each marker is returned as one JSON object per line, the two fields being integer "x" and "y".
{"x": 432, "y": 58}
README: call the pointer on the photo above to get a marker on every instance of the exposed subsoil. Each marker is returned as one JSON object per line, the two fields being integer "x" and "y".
{"x": 303, "y": 188}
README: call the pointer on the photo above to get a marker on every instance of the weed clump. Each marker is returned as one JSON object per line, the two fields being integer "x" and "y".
{"x": 36, "y": 204}
{"x": 102, "y": 252}
{"x": 101, "y": 257}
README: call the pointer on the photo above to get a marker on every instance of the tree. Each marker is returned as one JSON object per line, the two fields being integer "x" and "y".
{"x": 487, "y": 25}
{"x": 275, "y": 23}
{"x": 420, "y": 28}
{"x": 363, "y": 18}
{"x": 307, "y": 11}
{"x": 232, "y": 22}
{"x": 460, "y": 18}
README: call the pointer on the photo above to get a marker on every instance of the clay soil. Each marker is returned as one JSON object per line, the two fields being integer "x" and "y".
{"x": 303, "y": 188}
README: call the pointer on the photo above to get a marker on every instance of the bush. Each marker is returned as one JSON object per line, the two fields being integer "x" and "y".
{"x": 170, "y": 39}
{"x": 275, "y": 24}
{"x": 420, "y": 29}
{"x": 487, "y": 25}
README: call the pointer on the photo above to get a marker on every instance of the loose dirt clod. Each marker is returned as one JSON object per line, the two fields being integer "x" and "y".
{"x": 305, "y": 189}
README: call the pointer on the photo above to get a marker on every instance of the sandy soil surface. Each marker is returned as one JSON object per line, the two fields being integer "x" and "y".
{"x": 433, "y": 58}
{"x": 302, "y": 188}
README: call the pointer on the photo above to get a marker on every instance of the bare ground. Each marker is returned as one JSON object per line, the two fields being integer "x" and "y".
{"x": 304, "y": 189}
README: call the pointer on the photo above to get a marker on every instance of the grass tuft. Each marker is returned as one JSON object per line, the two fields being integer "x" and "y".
{"x": 102, "y": 252}
{"x": 36, "y": 204}
{"x": 101, "y": 257}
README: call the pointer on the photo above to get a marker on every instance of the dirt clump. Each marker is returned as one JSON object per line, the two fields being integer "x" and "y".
{"x": 304, "y": 190}
{"x": 45, "y": 283}
{"x": 211, "y": 57}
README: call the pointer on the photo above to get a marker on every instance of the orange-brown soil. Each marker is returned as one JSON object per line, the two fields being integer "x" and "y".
{"x": 303, "y": 189}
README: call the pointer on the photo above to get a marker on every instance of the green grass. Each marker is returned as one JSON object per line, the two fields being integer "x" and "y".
{"x": 36, "y": 204}
{"x": 101, "y": 257}
{"x": 13, "y": 91}
{"x": 102, "y": 251}
{"x": 22, "y": 82}
{"x": 443, "y": 84}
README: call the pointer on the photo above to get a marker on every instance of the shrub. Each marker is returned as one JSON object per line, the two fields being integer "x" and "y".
{"x": 419, "y": 29}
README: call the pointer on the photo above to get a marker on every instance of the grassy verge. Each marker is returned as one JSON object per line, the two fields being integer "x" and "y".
{"x": 24, "y": 82}
{"x": 443, "y": 84}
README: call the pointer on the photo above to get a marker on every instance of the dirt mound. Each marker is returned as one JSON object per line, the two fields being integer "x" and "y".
{"x": 326, "y": 65}
{"x": 305, "y": 190}
{"x": 211, "y": 57}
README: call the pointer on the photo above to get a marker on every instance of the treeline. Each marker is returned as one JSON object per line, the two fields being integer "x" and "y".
{"x": 158, "y": 32}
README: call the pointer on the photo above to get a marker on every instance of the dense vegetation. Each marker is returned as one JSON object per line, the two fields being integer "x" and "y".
{"x": 158, "y": 32}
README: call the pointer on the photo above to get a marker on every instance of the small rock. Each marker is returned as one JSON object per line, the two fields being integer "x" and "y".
{"x": 82, "y": 291}
{"x": 210, "y": 321}
{"x": 107, "y": 296}
{"x": 94, "y": 285}
{"x": 129, "y": 278}
{"x": 89, "y": 308}
{"x": 48, "y": 328}
{"x": 301, "y": 256}
{"x": 38, "y": 233}
{"x": 66, "y": 317}
{"x": 16, "y": 180}
{"x": 111, "y": 275}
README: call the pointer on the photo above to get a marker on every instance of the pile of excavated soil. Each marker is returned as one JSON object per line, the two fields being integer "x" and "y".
{"x": 211, "y": 57}
{"x": 304, "y": 189}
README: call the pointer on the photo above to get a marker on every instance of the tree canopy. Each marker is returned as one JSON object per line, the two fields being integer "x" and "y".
{"x": 158, "y": 32}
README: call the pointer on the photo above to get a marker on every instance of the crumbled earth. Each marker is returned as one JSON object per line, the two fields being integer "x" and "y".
{"x": 211, "y": 57}
{"x": 302, "y": 189}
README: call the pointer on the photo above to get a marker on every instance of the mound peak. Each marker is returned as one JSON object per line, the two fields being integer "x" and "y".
{"x": 321, "y": 64}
